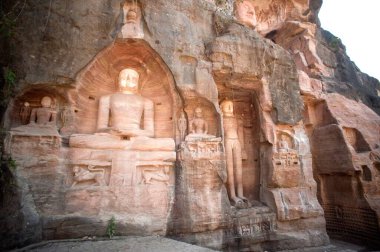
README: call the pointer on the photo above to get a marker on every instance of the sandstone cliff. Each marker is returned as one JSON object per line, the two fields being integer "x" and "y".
{"x": 288, "y": 77}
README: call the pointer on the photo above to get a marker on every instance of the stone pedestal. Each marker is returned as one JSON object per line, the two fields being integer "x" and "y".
{"x": 201, "y": 198}
{"x": 286, "y": 171}
{"x": 137, "y": 187}
{"x": 251, "y": 226}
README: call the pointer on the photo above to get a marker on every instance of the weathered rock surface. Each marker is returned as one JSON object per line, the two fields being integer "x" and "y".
{"x": 350, "y": 130}
{"x": 192, "y": 54}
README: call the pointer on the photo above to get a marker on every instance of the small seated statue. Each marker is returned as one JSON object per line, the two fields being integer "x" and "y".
{"x": 132, "y": 27}
{"x": 44, "y": 116}
{"x": 198, "y": 126}
{"x": 125, "y": 120}
{"x": 42, "y": 120}
{"x": 283, "y": 146}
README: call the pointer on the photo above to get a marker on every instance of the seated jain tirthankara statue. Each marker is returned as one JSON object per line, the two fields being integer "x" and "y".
{"x": 42, "y": 119}
{"x": 198, "y": 126}
{"x": 126, "y": 108}
{"x": 120, "y": 119}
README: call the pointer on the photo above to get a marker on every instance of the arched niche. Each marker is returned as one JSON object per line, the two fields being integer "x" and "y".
{"x": 355, "y": 138}
{"x": 288, "y": 137}
{"x": 33, "y": 96}
{"x": 99, "y": 78}
{"x": 209, "y": 114}
{"x": 247, "y": 115}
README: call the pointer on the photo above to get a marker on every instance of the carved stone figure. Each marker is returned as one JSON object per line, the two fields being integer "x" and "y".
{"x": 245, "y": 13}
{"x": 67, "y": 117}
{"x": 125, "y": 120}
{"x": 233, "y": 155}
{"x": 283, "y": 145}
{"x": 94, "y": 174}
{"x": 42, "y": 120}
{"x": 207, "y": 149}
{"x": 286, "y": 164}
{"x": 132, "y": 27}
{"x": 198, "y": 126}
{"x": 182, "y": 126}
{"x": 153, "y": 173}
{"x": 240, "y": 124}
{"x": 44, "y": 116}
{"x": 127, "y": 109}
{"x": 25, "y": 113}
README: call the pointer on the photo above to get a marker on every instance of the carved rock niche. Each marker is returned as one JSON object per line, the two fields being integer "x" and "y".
{"x": 286, "y": 171}
{"x": 356, "y": 140}
{"x": 99, "y": 78}
{"x": 209, "y": 114}
{"x": 30, "y": 99}
{"x": 247, "y": 117}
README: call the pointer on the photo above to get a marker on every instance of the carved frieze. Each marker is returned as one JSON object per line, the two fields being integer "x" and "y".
{"x": 286, "y": 163}
{"x": 90, "y": 173}
{"x": 211, "y": 149}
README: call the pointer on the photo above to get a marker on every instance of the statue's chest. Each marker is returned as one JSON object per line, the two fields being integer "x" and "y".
{"x": 229, "y": 123}
{"x": 199, "y": 122}
{"x": 43, "y": 113}
{"x": 126, "y": 103}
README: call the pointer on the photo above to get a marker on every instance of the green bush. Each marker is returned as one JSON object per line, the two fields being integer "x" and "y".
{"x": 111, "y": 227}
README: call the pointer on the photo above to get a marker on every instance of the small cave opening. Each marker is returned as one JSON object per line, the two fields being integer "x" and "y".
{"x": 366, "y": 175}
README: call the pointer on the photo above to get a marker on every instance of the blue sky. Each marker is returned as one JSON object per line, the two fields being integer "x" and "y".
{"x": 356, "y": 23}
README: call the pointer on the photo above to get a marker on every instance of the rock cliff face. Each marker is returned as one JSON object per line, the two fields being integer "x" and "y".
{"x": 306, "y": 120}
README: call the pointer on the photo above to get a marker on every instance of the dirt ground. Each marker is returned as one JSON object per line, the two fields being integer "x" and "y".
{"x": 156, "y": 244}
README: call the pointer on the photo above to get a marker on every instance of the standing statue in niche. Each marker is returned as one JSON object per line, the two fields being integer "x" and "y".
{"x": 25, "y": 113}
{"x": 132, "y": 27}
{"x": 67, "y": 118}
{"x": 45, "y": 115}
{"x": 182, "y": 125}
{"x": 245, "y": 13}
{"x": 198, "y": 126}
{"x": 233, "y": 156}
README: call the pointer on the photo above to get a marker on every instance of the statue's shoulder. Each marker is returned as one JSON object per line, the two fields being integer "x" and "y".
{"x": 147, "y": 101}
{"x": 104, "y": 98}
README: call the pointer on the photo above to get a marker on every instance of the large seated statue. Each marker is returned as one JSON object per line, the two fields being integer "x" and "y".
{"x": 120, "y": 119}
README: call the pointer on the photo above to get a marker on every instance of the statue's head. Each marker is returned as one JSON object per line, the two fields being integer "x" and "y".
{"x": 132, "y": 12}
{"x": 245, "y": 13}
{"x": 46, "y": 102}
{"x": 227, "y": 107}
{"x": 198, "y": 112}
{"x": 26, "y": 104}
{"x": 128, "y": 81}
